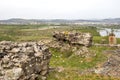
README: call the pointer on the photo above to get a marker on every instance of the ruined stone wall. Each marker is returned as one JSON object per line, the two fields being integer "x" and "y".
{"x": 23, "y": 61}
{"x": 78, "y": 38}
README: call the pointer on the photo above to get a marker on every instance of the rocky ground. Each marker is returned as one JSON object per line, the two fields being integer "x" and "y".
{"x": 112, "y": 66}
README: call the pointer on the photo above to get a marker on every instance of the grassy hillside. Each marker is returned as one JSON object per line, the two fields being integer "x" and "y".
{"x": 72, "y": 65}
{"x": 36, "y": 32}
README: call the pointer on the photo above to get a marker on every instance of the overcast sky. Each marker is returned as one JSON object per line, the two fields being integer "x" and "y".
{"x": 59, "y": 9}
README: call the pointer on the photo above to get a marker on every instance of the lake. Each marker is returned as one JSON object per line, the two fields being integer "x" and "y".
{"x": 106, "y": 31}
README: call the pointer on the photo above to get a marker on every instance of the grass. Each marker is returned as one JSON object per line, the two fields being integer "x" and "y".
{"x": 75, "y": 75}
{"x": 22, "y": 33}
{"x": 73, "y": 65}
{"x": 33, "y": 32}
{"x": 118, "y": 40}
{"x": 62, "y": 58}
{"x": 16, "y": 32}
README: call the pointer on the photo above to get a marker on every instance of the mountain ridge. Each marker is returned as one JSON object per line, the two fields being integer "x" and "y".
{"x": 39, "y": 21}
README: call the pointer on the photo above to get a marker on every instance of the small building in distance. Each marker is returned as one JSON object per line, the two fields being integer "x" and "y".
{"x": 112, "y": 39}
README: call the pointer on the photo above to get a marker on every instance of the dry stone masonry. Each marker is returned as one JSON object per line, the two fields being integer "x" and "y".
{"x": 23, "y": 61}
{"x": 84, "y": 39}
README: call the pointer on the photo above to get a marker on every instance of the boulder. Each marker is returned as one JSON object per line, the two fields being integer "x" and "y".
{"x": 78, "y": 38}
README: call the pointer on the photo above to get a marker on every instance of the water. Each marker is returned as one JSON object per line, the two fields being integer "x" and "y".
{"x": 106, "y": 31}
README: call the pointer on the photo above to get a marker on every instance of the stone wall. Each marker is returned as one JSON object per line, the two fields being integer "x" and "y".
{"x": 112, "y": 66}
{"x": 78, "y": 38}
{"x": 23, "y": 61}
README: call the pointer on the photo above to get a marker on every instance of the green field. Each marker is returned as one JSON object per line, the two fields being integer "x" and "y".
{"x": 72, "y": 65}
{"x": 38, "y": 32}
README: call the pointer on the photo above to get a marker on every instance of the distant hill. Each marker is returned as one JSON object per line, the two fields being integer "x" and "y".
{"x": 61, "y": 21}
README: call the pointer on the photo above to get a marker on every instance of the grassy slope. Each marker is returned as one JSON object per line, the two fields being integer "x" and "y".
{"x": 74, "y": 65}
{"x": 33, "y": 32}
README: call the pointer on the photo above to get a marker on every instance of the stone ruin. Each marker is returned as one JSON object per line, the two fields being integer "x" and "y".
{"x": 84, "y": 39}
{"x": 74, "y": 42}
{"x": 112, "y": 66}
{"x": 23, "y": 61}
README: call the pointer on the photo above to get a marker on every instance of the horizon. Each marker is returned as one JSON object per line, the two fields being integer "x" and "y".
{"x": 60, "y": 9}
{"x": 59, "y": 19}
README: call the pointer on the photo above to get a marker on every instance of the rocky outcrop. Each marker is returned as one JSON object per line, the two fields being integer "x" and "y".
{"x": 23, "y": 61}
{"x": 74, "y": 38}
{"x": 112, "y": 66}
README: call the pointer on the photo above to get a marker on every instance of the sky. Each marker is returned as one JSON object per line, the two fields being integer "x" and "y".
{"x": 59, "y": 9}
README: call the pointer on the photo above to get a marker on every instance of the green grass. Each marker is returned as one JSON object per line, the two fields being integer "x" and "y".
{"x": 118, "y": 40}
{"x": 19, "y": 32}
{"x": 32, "y": 32}
{"x": 23, "y": 32}
{"x": 27, "y": 32}
{"x": 89, "y": 29}
{"x": 73, "y": 65}
{"x": 62, "y": 58}
{"x": 75, "y": 75}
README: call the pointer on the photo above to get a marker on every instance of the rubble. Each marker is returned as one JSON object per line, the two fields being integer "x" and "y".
{"x": 74, "y": 42}
{"x": 112, "y": 66}
{"x": 83, "y": 52}
{"x": 84, "y": 39}
{"x": 23, "y": 61}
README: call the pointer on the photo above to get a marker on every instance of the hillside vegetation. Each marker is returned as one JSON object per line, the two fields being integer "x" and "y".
{"x": 69, "y": 67}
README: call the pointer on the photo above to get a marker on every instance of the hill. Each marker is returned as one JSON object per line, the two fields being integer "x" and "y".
{"x": 60, "y": 21}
